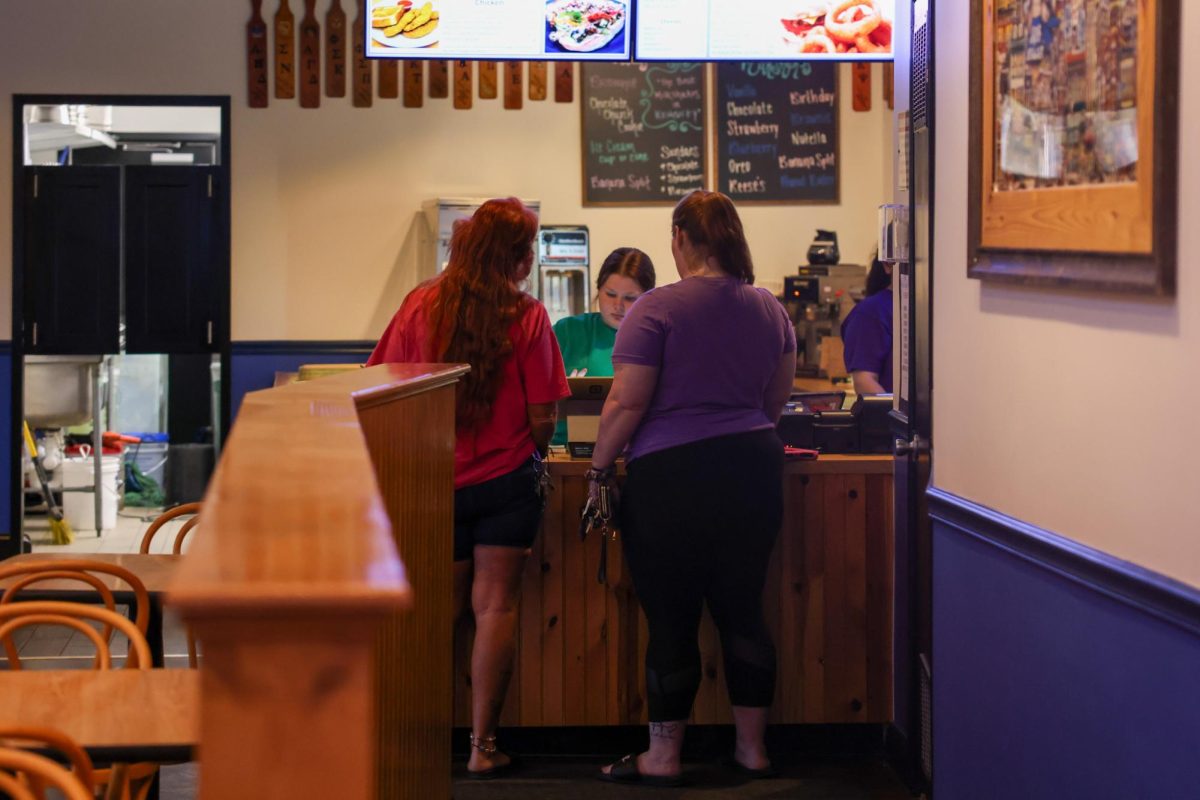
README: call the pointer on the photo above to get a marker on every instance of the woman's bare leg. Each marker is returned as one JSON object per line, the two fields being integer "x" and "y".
{"x": 495, "y": 591}
{"x": 751, "y": 724}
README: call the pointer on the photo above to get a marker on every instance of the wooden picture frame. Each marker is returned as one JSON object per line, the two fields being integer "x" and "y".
{"x": 1047, "y": 221}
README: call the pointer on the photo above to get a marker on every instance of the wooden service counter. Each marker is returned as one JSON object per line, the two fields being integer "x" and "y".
{"x": 581, "y": 644}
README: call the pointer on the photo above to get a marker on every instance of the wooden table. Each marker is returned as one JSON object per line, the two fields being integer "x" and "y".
{"x": 154, "y": 570}
{"x": 116, "y": 715}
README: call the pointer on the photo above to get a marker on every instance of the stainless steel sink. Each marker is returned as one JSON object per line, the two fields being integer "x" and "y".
{"x": 58, "y": 390}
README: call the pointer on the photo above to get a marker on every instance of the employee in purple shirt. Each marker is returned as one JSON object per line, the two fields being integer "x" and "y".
{"x": 702, "y": 369}
{"x": 867, "y": 334}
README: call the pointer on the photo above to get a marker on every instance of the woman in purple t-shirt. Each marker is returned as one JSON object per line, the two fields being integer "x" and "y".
{"x": 702, "y": 369}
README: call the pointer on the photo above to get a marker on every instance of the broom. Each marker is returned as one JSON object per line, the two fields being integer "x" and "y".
{"x": 60, "y": 529}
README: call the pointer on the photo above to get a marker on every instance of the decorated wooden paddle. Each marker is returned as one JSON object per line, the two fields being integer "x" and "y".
{"x": 389, "y": 79}
{"x": 564, "y": 82}
{"x": 335, "y": 50}
{"x": 414, "y": 77}
{"x": 363, "y": 86}
{"x": 862, "y": 86}
{"x": 463, "y": 88}
{"x": 310, "y": 57}
{"x": 285, "y": 52}
{"x": 889, "y": 85}
{"x": 439, "y": 79}
{"x": 257, "y": 89}
{"x": 537, "y": 80}
{"x": 514, "y": 77}
{"x": 487, "y": 80}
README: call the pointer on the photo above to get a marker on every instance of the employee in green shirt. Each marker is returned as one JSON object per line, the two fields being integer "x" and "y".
{"x": 586, "y": 340}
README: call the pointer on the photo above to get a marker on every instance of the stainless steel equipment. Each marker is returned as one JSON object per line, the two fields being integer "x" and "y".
{"x": 564, "y": 276}
{"x": 440, "y": 216}
{"x": 817, "y": 300}
{"x": 59, "y": 390}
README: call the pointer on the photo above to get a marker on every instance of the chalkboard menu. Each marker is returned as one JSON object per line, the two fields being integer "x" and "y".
{"x": 777, "y": 132}
{"x": 643, "y": 133}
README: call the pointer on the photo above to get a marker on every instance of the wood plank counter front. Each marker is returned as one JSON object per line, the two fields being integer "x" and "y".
{"x": 828, "y": 605}
{"x": 296, "y": 574}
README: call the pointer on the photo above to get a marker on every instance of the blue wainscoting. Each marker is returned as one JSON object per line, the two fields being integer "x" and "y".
{"x": 1059, "y": 672}
{"x": 254, "y": 364}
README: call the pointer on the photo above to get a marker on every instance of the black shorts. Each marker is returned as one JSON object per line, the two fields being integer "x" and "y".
{"x": 504, "y": 512}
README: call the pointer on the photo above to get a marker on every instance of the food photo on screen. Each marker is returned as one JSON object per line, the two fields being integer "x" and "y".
{"x": 837, "y": 27}
{"x": 404, "y": 24}
{"x": 586, "y": 26}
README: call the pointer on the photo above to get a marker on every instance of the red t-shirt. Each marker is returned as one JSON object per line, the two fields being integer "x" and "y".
{"x": 532, "y": 374}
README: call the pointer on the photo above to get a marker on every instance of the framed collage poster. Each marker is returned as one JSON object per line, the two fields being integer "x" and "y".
{"x": 1074, "y": 117}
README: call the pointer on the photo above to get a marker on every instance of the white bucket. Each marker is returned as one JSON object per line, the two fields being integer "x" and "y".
{"x": 80, "y": 507}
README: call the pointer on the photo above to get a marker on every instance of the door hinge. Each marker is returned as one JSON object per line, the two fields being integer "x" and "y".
{"x": 36, "y": 178}
{"x": 210, "y": 331}
{"x": 210, "y": 186}
{"x": 35, "y": 334}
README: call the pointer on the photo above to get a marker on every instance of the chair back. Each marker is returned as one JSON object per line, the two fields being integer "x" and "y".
{"x": 162, "y": 519}
{"x": 22, "y": 736}
{"x": 14, "y": 616}
{"x": 37, "y": 771}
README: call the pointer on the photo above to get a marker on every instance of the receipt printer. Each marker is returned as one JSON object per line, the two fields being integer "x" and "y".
{"x": 582, "y": 410}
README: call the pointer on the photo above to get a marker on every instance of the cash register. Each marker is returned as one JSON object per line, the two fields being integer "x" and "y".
{"x": 582, "y": 410}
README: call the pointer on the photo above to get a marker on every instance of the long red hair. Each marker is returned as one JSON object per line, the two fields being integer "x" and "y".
{"x": 476, "y": 300}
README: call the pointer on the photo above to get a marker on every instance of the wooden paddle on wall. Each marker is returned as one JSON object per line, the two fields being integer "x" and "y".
{"x": 310, "y": 57}
{"x": 257, "y": 90}
{"x": 487, "y": 80}
{"x": 462, "y": 84}
{"x": 285, "y": 52}
{"x": 889, "y": 85}
{"x": 439, "y": 79}
{"x": 564, "y": 82}
{"x": 861, "y": 86}
{"x": 414, "y": 78}
{"x": 364, "y": 87}
{"x": 514, "y": 77}
{"x": 389, "y": 79}
{"x": 537, "y": 80}
{"x": 335, "y": 50}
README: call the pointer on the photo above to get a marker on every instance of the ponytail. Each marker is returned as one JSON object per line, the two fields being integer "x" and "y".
{"x": 712, "y": 224}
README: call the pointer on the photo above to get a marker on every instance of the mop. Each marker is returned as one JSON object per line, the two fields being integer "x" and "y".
{"x": 60, "y": 529}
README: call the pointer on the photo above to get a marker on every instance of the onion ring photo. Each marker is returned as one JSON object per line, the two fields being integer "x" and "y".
{"x": 838, "y": 26}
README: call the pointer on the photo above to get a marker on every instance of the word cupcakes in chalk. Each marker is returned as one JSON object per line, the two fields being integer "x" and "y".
{"x": 584, "y": 26}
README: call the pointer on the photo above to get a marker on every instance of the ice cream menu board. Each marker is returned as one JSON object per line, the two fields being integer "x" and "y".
{"x": 577, "y": 30}
{"x": 723, "y": 30}
{"x": 643, "y": 132}
{"x": 777, "y": 132}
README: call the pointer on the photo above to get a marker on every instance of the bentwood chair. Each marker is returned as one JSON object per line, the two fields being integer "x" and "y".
{"x": 121, "y": 778}
{"x": 80, "y": 570}
{"x": 25, "y": 776}
{"x": 23, "y": 737}
{"x": 177, "y": 548}
{"x": 175, "y": 513}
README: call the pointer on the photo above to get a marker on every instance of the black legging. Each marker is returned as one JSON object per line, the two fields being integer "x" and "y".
{"x": 699, "y": 522}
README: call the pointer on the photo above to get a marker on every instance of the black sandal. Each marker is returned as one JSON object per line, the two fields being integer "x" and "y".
{"x": 746, "y": 772}
{"x": 487, "y": 746}
{"x": 626, "y": 771}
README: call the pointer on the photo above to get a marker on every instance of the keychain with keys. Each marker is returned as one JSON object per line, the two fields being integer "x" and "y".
{"x": 598, "y": 516}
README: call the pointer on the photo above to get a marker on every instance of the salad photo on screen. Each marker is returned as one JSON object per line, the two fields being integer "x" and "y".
{"x": 585, "y": 26}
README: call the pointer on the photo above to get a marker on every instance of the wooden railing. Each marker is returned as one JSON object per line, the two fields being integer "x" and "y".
{"x": 329, "y": 513}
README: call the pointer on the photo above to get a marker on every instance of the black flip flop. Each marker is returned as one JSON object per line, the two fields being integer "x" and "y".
{"x": 626, "y": 771}
{"x": 746, "y": 772}
{"x": 496, "y": 772}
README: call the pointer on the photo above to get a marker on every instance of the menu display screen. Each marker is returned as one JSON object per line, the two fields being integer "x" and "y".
{"x": 764, "y": 30}
{"x": 577, "y": 30}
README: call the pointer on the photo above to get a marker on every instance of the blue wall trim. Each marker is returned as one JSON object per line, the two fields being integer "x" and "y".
{"x": 1142, "y": 588}
{"x": 1058, "y": 671}
{"x": 253, "y": 364}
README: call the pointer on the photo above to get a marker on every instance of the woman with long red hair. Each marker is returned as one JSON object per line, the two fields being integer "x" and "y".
{"x": 475, "y": 313}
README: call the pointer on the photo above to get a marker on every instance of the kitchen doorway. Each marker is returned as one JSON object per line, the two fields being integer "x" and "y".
{"x": 120, "y": 341}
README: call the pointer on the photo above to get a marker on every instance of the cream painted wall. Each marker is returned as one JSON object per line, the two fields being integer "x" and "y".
{"x": 1073, "y": 412}
{"x": 325, "y": 202}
